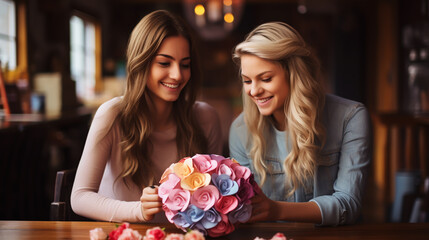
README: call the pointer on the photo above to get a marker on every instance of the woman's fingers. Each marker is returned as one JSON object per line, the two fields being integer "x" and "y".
{"x": 150, "y": 202}
{"x": 150, "y": 198}
{"x": 149, "y": 205}
{"x": 150, "y": 194}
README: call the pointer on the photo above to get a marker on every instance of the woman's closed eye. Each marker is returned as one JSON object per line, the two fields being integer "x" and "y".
{"x": 164, "y": 64}
{"x": 246, "y": 80}
{"x": 266, "y": 79}
{"x": 185, "y": 65}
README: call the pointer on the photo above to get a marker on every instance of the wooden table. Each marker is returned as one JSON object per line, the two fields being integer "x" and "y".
{"x": 297, "y": 231}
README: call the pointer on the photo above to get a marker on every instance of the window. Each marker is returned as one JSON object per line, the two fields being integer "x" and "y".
{"x": 84, "y": 45}
{"x": 7, "y": 34}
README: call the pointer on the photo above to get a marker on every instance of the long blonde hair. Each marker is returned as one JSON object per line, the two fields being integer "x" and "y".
{"x": 278, "y": 42}
{"x": 134, "y": 118}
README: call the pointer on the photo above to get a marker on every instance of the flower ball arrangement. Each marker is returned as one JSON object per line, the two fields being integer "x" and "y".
{"x": 209, "y": 193}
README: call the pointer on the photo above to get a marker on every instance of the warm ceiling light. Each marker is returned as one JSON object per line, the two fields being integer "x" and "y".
{"x": 199, "y": 10}
{"x": 227, "y": 2}
{"x": 229, "y": 18}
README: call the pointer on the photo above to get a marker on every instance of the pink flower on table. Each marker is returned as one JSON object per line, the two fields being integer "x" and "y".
{"x": 222, "y": 228}
{"x": 205, "y": 197}
{"x": 183, "y": 169}
{"x": 195, "y": 180}
{"x": 279, "y": 236}
{"x": 97, "y": 234}
{"x": 178, "y": 200}
{"x": 155, "y": 233}
{"x": 194, "y": 235}
{"x": 226, "y": 204}
{"x": 130, "y": 234}
{"x": 168, "y": 185}
{"x": 174, "y": 236}
{"x": 203, "y": 163}
{"x": 114, "y": 235}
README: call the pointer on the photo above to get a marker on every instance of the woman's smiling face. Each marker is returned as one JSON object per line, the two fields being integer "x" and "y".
{"x": 266, "y": 83}
{"x": 170, "y": 70}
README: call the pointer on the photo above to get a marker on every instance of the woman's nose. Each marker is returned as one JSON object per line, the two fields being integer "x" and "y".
{"x": 255, "y": 89}
{"x": 175, "y": 72}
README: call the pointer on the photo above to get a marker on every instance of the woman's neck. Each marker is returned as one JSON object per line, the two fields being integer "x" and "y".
{"x": 279, "y": 121}
{"x": 161, "y": 113}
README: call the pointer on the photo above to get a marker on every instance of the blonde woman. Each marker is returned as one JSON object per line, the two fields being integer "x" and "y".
{"x": 309, "y": 151}
{"x": 134, "y": 138}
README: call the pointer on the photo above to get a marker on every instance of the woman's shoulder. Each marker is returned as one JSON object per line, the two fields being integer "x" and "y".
{"x": 339, "y": 107}
{"x": 338, "y": 113}
{"x": 109, "y": 109}
{"x": 238, "y": 126}
{"x": 334, "y": 101}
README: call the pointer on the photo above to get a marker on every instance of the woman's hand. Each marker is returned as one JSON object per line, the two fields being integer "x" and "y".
{"x": 263, "y": 208}
{"x": 151, "y": 202}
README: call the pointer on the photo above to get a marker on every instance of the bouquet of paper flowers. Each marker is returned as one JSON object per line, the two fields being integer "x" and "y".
{"x": 209, "y": 193}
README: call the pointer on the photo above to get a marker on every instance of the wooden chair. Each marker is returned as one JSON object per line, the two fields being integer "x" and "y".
{"x": 60, "y": 207}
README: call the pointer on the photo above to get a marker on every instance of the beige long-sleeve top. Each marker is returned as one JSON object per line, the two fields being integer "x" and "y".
{"x": 97, "y": 194}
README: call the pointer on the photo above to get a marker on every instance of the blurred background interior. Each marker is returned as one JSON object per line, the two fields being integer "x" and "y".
{"x": 60, "y": 59}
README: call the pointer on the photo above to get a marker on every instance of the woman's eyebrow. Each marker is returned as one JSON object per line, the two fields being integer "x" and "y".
{"x": 259, "y": 75}
{"x": 172, "y": 58}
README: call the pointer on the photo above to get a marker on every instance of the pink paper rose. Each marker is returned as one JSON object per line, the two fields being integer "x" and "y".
{"x": 155, "y": 233}
{"x": 178, "y": 200}
{"x": 168, "y": 185}
{"x": 226, "y": 204}
{"x": 97, "y": 234}
{"x": 225, "y": 168}
{"x": 203, "y": 163}
{"x": 194, "y": 235}
{"x": 241, "y": 171}
{"x": 205, "y": 197}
